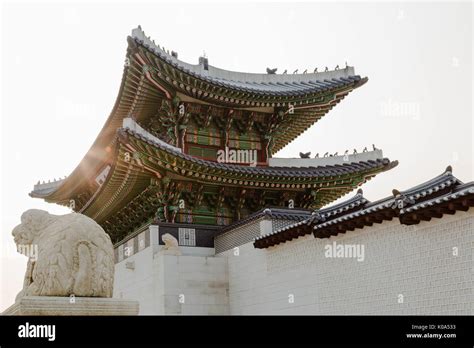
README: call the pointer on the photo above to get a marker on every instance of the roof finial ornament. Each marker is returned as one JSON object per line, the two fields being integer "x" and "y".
{"x": 285, "y": 72}
{"x": 360, "y": 192}
{"x": 204, "y": 62}
{"x": 337, "y": 67}
{"x": 305, "y": 72}
{"x": 317, "y": 155}
{"x": 326, "y": 154}
{"x": 315, "y": 217}
{"x": 373, "y": 146}
{"x": 335, "y": 154}
{"x": 346, "y": 152}
{"x": 401, "y": 200}
{"x": 449, "y": 169}
{"x": 346, "y": 65}
{"x": 355, "y": 151}
{"x": 295, "y": 72}
{"x": 315, "y": 70}
{"x": 305, "y": 155}
{"x": 326, "y": 69}
{"x": 365, "y": 149}
{"x": 272, "y": 71}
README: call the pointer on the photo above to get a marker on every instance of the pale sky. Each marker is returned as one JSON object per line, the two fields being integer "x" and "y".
{"x": 62, "y": 65}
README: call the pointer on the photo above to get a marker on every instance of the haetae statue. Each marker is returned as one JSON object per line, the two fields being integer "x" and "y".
{"x": 74, "y": 255}
{"x": 171, "y": 246}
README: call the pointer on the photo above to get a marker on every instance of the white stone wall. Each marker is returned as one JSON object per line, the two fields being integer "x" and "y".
{"x": 193, "y": 283}
{"x": 138, "y": 284}
{"x": 413, "y": 262}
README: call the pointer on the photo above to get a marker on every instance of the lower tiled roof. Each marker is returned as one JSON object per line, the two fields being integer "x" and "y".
{"x": 444, "y": 194}
{"x": 274, "y": 213}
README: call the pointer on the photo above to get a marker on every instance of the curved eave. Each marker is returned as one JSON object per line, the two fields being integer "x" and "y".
{"x": 177, "y": 161}
{"x": 303, "y": 119}
{"x": 136, "y": 95}
{"x": 129, "y": 177}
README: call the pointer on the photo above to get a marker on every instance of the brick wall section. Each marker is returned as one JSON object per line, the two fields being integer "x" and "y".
{"x": 280, "y": 223}
{"x": 416, "y": 262}
{"x": 238, "y": 236}
{"x": 246, "y": 233}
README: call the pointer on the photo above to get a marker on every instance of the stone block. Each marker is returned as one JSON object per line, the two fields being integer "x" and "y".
{"x": 52, "y": 305}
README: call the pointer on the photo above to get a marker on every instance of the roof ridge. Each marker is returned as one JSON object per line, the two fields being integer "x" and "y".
{"x": 236, "y": 76}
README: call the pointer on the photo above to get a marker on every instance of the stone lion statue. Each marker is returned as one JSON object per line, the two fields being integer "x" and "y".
{"x": 74, "y": 255}
{"x": 171, "y": 246}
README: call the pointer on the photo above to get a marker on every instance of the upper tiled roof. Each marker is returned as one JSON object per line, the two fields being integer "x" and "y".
{"x": 259, "y": 84}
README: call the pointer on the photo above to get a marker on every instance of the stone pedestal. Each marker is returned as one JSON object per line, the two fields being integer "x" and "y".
{"x": 51, "y": 305}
